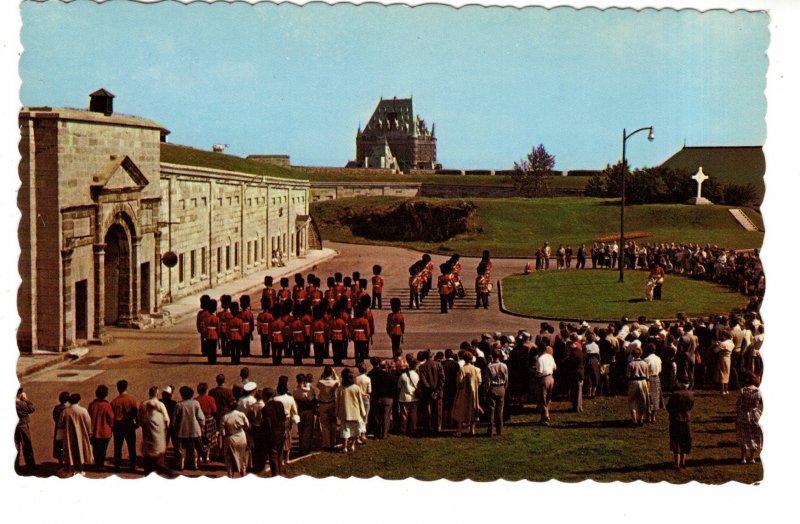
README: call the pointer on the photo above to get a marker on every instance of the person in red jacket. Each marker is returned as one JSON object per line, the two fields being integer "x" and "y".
{"x": 482, "y": 287}
{"x": 415, "y": 282}
{"x": 269, "y": 292}
{"x": 284, "y": 293}
{"x": 445, "y": 285}
{"x": 102, "y": 416}
{"x": 286, "y": 315}
{"x": 360, "y": 332}
{"x": 396, "y": 327}
{"x": 427, "y": 274}
{"x": 203, "y": 313}
{"x": 320, "y": 336}
{"x": 211, "y": 332}
{"x": 299, "y": 288}
{"x": 377, "y": 287}
{"x": 306, "y": 319}
{"x": 276, "y": 338}
{"x": 224, "y": 317}
{"x": 235, "y": 333}
{"x": 313, "y": 292}
{"x": 249, "y": 324}
{"x": 262, "y": 325}
{"x": 330, "y": 293}
{"x": 339, "y": 334}
{"x": 298, "y": 337}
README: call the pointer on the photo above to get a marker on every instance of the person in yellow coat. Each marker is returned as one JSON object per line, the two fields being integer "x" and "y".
{"x": 466, "y": 406}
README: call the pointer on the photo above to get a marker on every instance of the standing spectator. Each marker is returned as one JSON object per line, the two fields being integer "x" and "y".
{"x": 679, "y": 407}
{"x": 154, "y": 418}
{"x": 466, "y": 406}
{"x": 382, "y": 399}
{"x": 58, "y": 431}
{"x": 656, "y": 400}
{"x": 327, "y": 386}
{"x": 431, "y": 383}
{"x": 187, "y": 427}
{"x": 102, "y": 426}
{"x": 273, "y": 420}
{"x": 169, "y": 403}
{"x": 126, "y": 413}
{"x": 306, "y": 399}
{"x": 22, "y": 433}
{"x": 350, "y": 410}
{"x": 77, "y": 444}
{"x": 450, "y": 367}
{"x": 723, "y": 350}
{"x": 687, "y": 355}
{"x": 638, "y": 393}
{"x": 573, "y": 372}
{"x": 497, "y": 373}
{"x": 748, "y": 413}
{"x": 292, "y": 414}
{"x": 255, "y": 435}
{"x": 208, "y": 405}
{"x": 591, "y": 364}
{"x": 545, "y": 369}
{"x": 365, "y": 383}
{"x": 582, "y": 257}
{"x": 235, "y": 447}
{"x": 407, "y": 386}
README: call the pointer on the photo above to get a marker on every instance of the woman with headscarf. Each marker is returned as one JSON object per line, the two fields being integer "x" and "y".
{"x": 466, "y": 406}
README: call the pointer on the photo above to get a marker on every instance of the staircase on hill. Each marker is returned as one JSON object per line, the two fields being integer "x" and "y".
{"x": 744, "y": 220}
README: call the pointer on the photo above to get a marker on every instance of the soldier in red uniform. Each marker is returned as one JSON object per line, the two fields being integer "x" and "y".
{"x": 210, "y": 329}
{"x": 262, "y": 323}
{"x": 313, "y": 293}
{"x": 377, "y": 287}
{"x": 320, "y": 335}
{"x": 299, "y": 289}
{"x": 482, "y": 287}
{"x": 276, "y": 339}
{"x": 286, "y": 315}
{"x": 284, "y": 293}
{"x": 486, "y": 260}
{"x": 330, "y": 293}
{"x": 339, "y": 334}
{"x": 415, "y": 281}
{"x": 249, "y": 324}
{"x": 356, "y": 285}
{"x": 306, "y": 319}
{"x": 445, "y": 285}
{"x": 224, "y": 318}
{"x": 338, "y": 286}
{"x": 347, "y": 292}
{"x": 269, "y": 293}
{"x": 359, "y": 330}
{"x": 396, "y": 327}
{"x": 235, "y": 333}
{"x": 427, "y": 274}
{"x": 201, "y": 315}
{"x": 297, "y": 337}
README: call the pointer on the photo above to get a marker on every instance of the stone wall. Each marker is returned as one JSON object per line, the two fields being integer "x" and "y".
{"x": 322, "y": 191}
{"x": 224, "y": 225}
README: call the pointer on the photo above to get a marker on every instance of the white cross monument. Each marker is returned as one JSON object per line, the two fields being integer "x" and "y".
{"x": 699, "y": 177}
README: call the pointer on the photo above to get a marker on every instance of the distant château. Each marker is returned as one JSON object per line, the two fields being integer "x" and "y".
{"x": 395, "y": 138}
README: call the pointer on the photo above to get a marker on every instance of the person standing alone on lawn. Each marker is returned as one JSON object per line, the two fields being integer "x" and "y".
{"x": 679, "y": 407}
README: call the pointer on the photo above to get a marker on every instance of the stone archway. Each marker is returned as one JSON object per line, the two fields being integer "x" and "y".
{"x": 117, "y": 269}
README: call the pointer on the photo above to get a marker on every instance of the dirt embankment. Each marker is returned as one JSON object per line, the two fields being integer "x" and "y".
{"x": 413, "y": 221}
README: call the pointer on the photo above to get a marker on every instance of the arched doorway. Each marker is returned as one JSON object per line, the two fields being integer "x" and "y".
{"x": 117, "y": 274}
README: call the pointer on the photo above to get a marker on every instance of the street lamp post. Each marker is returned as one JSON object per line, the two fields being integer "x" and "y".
{"x": 621, "y": 254}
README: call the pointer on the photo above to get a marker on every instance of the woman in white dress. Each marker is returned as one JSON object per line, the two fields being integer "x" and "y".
{"x": 236, "y": 450}
{"x": 723, "y": 350}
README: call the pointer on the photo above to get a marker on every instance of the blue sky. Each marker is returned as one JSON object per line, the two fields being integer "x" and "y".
{"x": 299, "y": 80}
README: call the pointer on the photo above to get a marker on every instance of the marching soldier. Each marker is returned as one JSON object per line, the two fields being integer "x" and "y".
{"x": 330, "y": 293}
{"x": 482, "y": 287}
{"x": 224, "y": 318}
{"x": 320, "y": 335}
{"x": 299, "y": 290}
{"x": 360, "y": 332}
{"x": 284, "y": 293}
{"x": 377, "y": 287}
{"x": 396, "y": 327}
{"x": 298, "y": 337}
{"x": 262, "y": 323}
{"x": 276, "y": 338}
{"x": 445, "y": 286}
{"x": 210, "y": 329}
{"x": 415, "y": 282}
{"x": 339, "y": 334}
{"x": 249, "y": 324}
{"x": 269, "y": 293}
{"x": 235, "y": 333}
{"x": 201, "y": 315}
{"x": 286, "y": 315}
{"x": 306, "y": 319}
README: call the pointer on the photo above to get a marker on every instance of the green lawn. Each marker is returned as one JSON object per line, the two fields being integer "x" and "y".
{"x": 514, "y": 227}
{"x": 598, "y": 295}
{"x": 597, "y": 444}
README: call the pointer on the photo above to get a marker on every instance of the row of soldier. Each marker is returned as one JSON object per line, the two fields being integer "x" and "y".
{"x": 294, "y": 321}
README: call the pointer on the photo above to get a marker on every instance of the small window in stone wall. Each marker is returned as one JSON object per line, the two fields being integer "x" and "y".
{"x": 237, "y": 200}
{"x": 248, "y": 253}
{"x": 227, "y": 258}
{"x": 193, "y": 264}
{"x": 203, "y": 261}
{"x": 263, "y": 248}
{"x": 180, "y": 268}
{"x": 229, "y": 200}
{"x": 205, "y": 201}
{"x": 236, "y": 254}
{"x": 219, "y": 201}
{"x": 219, "y": 260}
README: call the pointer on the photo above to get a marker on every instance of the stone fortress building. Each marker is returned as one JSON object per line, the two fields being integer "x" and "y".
{"x": 394, "y": 138}
{"x": 100, "y": 209}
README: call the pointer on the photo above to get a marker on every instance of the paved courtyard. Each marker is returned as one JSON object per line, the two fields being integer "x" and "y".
{"x": 171, "y": 355}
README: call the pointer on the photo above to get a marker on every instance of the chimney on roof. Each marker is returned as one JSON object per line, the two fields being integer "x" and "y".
{"x": 102, "y": 101}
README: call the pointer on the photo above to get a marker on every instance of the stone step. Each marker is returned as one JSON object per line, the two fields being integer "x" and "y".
{"x": 744, "y": 220}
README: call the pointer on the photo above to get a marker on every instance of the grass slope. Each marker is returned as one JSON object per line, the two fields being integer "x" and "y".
{"x": 597, "y": 444}
{"x": 514, "y": 227}
{"x": 598, "y": 295}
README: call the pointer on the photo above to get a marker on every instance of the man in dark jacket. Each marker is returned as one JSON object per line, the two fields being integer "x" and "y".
{"x": 383, "y": 393}
{"x": 572, "y": 374}
{"x": 451, "y": 368}
{"x": 431, "y": 381}
{"x": 273, "y": 425}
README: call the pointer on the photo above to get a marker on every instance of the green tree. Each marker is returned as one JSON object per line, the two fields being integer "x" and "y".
{"x": 531, "y": 175}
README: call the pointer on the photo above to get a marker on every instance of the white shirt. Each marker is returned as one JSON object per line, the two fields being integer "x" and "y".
{"x": 545, "y": 364}
{"x": 290, "y": 405}
{"x": 653, "y": 364}
{"x": 591, "y": 348}
{"x": 407, "y": 384}
{"x": 245, "y": 402}
{"x": 365, "y": 383}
